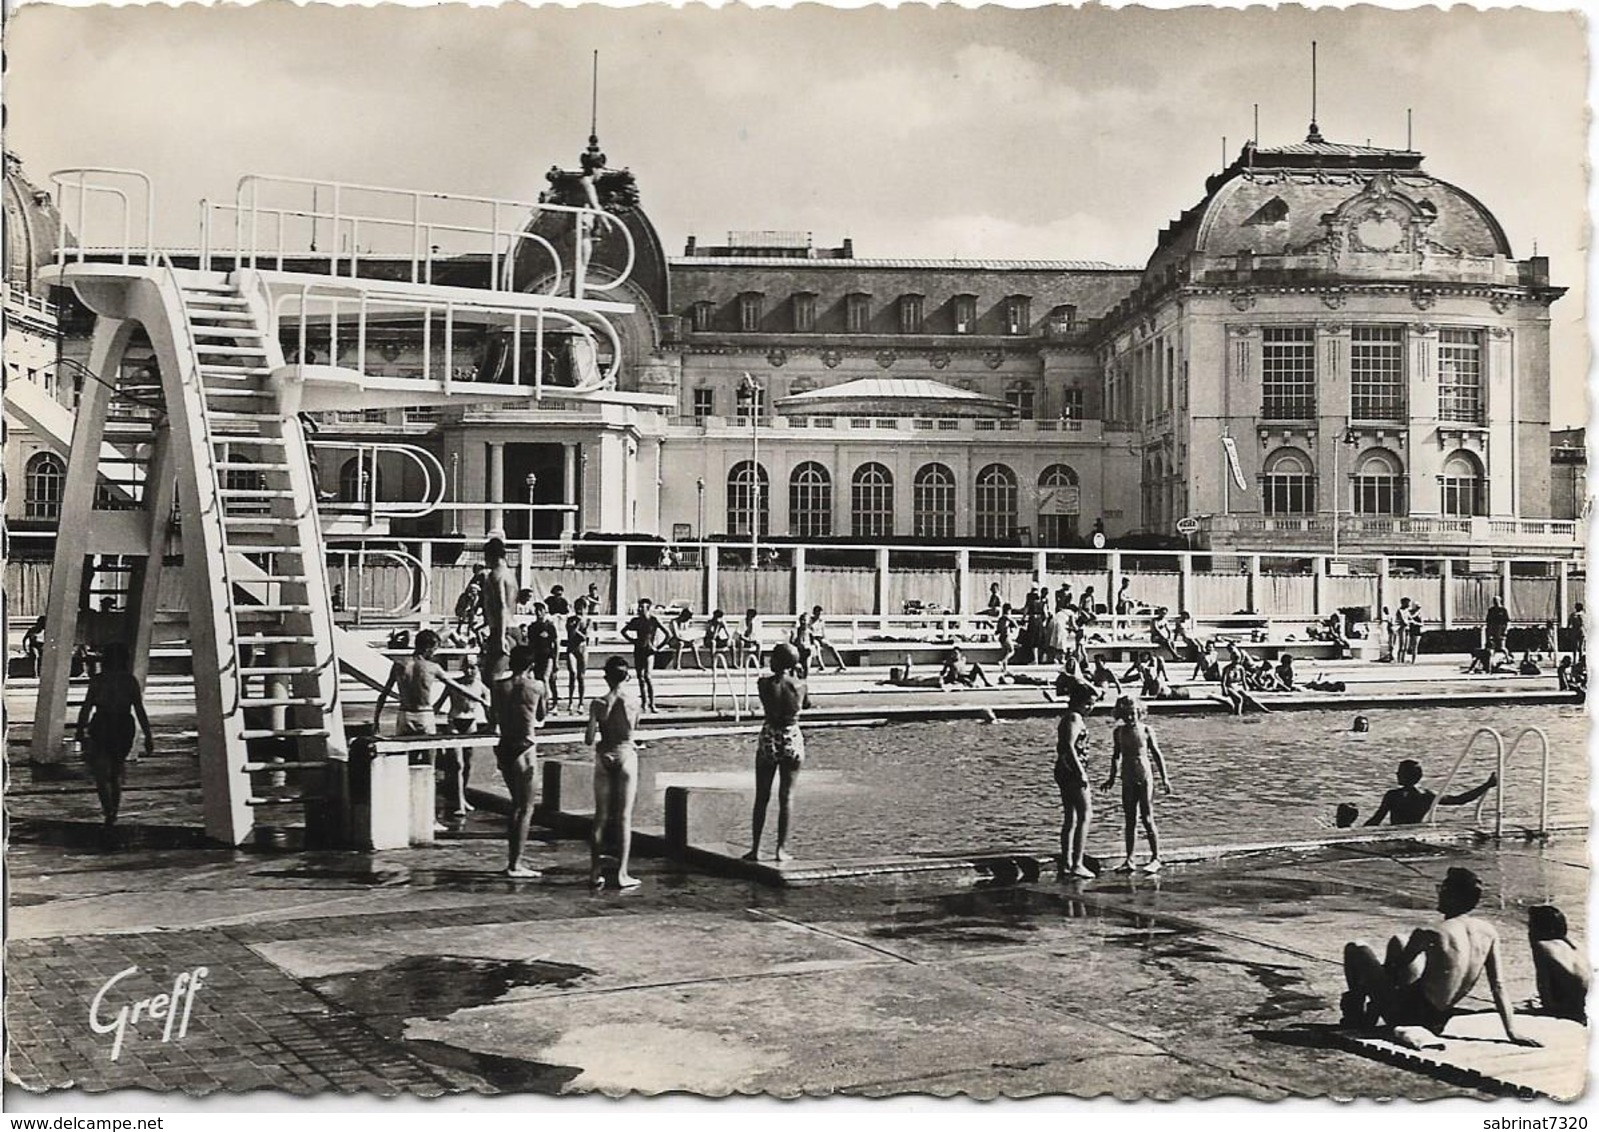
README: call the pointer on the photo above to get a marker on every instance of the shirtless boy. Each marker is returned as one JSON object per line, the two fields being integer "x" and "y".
{"x": 1560, "y": 965}
{"x": 1135, "y": 751}
{"x": 520, "y": 707}
{"x": 781, "y": 748}
{"x": 1422, "y": 979}
{"x": 612, "y": 719}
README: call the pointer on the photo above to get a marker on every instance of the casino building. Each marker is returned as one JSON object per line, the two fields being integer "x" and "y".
{"x": 1332, "y": 343}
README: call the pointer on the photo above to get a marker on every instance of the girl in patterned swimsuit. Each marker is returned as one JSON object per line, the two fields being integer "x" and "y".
{"x": 780, "y": 749}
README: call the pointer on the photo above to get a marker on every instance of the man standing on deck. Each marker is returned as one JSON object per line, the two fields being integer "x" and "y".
{"x": 499, "y": 605}
{"x": 1496, "y": 625}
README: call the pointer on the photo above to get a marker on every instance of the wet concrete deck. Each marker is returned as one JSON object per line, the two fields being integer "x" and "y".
{"x": 425, "y": 972}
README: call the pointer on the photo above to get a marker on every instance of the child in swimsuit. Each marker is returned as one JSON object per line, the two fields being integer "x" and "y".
{"x": 781, "y": 748}
{"x": 612, "y": 719}
{"x": 1135, "y": 750}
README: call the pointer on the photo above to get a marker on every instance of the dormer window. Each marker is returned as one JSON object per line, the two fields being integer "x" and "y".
{"x": 700, "y": 315}
{"x": 750, "y": 304}
{"x": 1063, "y": 319}
{"x": 857, "y": 312}
{"x": 1018, "y": 316}
{"x": 965, "y": 314}
{"x": 910, "y": 314}
{"x": 804, "y": 312}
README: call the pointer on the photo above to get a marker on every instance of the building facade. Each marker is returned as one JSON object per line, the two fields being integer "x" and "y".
{"x": 1333, "y": 346}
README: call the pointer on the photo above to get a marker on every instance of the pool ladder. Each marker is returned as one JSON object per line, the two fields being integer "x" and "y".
{"x": 1501, "y": 753}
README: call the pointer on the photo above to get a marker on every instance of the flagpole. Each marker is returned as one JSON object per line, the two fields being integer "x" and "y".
{"x": 1226, "y": 471}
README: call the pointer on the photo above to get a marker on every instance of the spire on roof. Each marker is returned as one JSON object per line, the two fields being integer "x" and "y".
{"x": 1314, "y": 137}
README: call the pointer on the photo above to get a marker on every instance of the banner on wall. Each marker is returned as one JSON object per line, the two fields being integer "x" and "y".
{"x": 1063, "y": 500}
{"x": 1231, "y": 446}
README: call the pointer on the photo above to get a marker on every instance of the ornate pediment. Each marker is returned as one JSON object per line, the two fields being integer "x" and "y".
{"x": 1381, "y": 219}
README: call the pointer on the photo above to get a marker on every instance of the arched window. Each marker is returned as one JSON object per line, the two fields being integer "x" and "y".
{"x": 995, "y": 503}
{"x": 748, "y": 499}
{"x": 871, "y": 493}
{"x": 1462, "y": 488}
{"x": 933, "y": 502}
{"x": 1379, "y": 484}
{"x": 1288, "y": 486}
{"x": 353, "y": 476}
{"x": 1059, "y": 504}
{"x": 810, "y": 501}
{"x": 43, "y": 480}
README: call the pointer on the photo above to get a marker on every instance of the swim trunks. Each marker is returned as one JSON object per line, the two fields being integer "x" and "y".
{"x": 623, "y": 756}
{"x": 780, "y": 744}
{"x": 517, "y": 763}
{"x": 109, "y": 741}
{"x": 1410, "y": 1006}
{"x": 416, "y": 722}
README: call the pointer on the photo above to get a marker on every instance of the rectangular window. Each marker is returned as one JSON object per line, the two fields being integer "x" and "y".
{"x": 1290, "y": 494}
{"x": 1462, "y": 496}
{"x": 857, "y": 313}
{"x": 1460, "y": 376}
{"x": 1379, "y": 495}
{"x": 1288, "y": 373}
{"x": 751, "y": 401}
{"x": 1021, "y": 402}
{"x": 804, "y": 312}
{"x": 704, "y": 403}
{"x": 700, "y": 315}
{"x": 1018, "y": 316}
{"x": 1071, "y": 404}
{"x": 749, "y": 311}
{"x": 965, "y": 314}
{"x": 910, "y": 314}
{"x": 1377, "y": 374}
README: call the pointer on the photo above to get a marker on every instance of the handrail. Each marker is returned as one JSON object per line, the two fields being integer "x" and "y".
{"x": 61, "y": 178}
{"x": 432, "y": 472}
{"x": 215, "y": 506}
{"x": 251, "y": 184}
{"x": 1499, "y": 775}
{"x": 420, "y": 586}
{"x": 333, "y": 294}
{"x": 1543, "y": 782}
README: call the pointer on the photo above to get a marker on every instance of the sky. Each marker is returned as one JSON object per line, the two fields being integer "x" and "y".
{"x": 1050, "y": 133}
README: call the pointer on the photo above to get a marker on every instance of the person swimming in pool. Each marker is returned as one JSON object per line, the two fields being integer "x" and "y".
{"x": 1135, "y": 749}
{"x": 1422, "y": 978}
{"x": 1407, "y": 804}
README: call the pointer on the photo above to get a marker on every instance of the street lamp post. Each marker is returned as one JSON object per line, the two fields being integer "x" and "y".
{"x": 455, "y": 493}
{"x": 699, "y": 529}
{"x": 1345, "y": 436}
{"x": 532, "y": 482}
{"x": 752, "y": 390}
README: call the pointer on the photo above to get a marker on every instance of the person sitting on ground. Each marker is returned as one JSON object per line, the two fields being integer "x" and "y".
{"x": 1563, "y": 674}
{"x": 1183, "y": 635}
{"x": 1208, "y": 664}
{"x": 1561, "y": 967}
{"x": 1489, "y": 662}
{"x": 1150, "y": 673}
{"x": 612, "y": 720}
{"x": 1407, "y": 804}
{"x": 1235, "y": 690}
{"x": 679, "y": 636}
{"x": 1102, "y": 675}
{"x": 1069, "y": 685}
{"x": 1285, "y": 672}
{"x": 1158, "y": 636}
{"x": 1421, "y": 979}
{"x": 1577, "y": 677}
{"x": 1332, "y": 629}
{"x": 111, "y": 705}
{"x": 718, "y": 640}
{"x": 1528, "y": 666}
{"x": 956, "y": 671}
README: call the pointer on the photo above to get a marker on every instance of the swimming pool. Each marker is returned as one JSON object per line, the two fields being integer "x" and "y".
{"x": 947, "y": 787}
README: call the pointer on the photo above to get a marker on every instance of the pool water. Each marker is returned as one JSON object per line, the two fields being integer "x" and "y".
{"x": 949, "y": 787}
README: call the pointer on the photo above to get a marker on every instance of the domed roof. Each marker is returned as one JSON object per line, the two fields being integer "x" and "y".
{"x": 31, "y": 226}
{"x": 1302, "y": 198}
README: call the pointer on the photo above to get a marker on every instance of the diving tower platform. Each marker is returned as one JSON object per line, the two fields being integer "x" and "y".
{"x": 206, "y": 452}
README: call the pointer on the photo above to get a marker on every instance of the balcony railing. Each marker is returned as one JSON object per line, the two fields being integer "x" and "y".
{"x": 1304, "y": 532}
